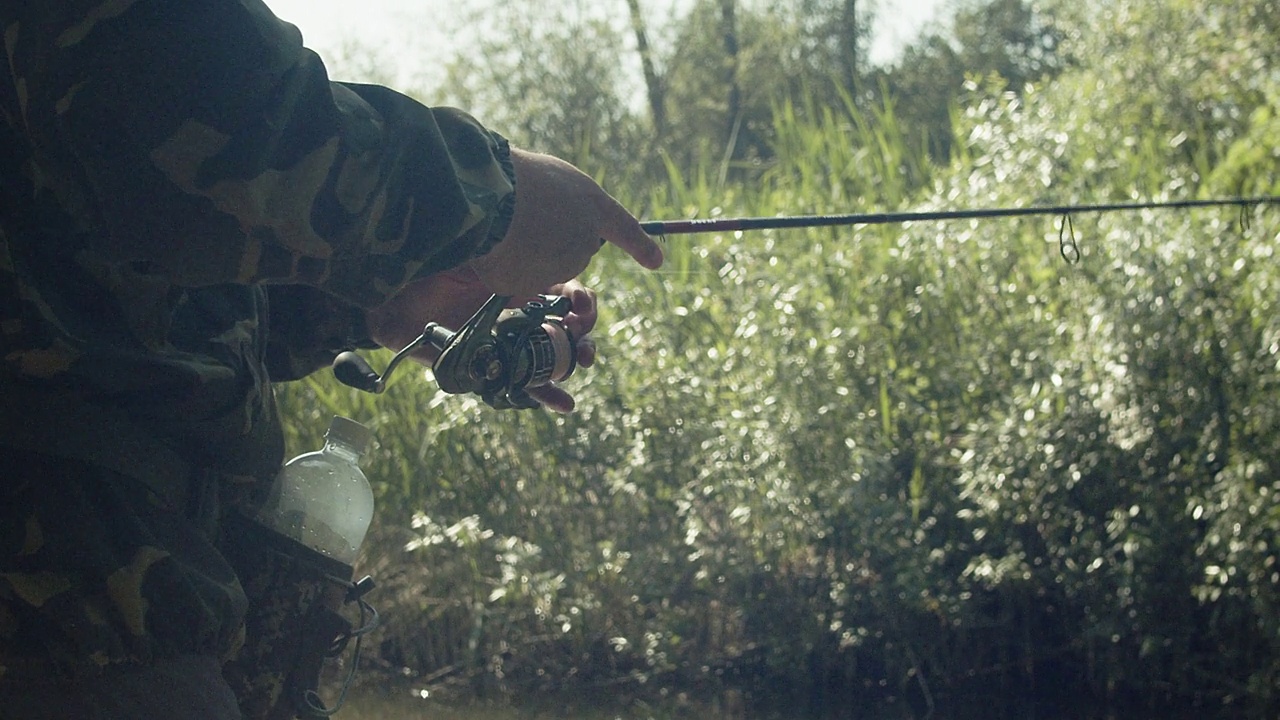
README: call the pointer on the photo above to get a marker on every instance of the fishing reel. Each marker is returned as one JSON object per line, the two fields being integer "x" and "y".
{"x": 499, "y": 354}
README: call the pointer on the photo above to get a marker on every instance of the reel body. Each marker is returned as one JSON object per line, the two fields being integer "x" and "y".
{"x": 498, "y": 354}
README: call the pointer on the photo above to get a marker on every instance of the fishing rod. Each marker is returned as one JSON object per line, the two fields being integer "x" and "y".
{"x": 678, "y": 227}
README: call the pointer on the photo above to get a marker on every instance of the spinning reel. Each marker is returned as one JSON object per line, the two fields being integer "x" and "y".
{"x": 498, "y": 354}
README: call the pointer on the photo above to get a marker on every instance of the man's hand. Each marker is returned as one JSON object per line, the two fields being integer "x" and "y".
{"x": 561, "y": 217}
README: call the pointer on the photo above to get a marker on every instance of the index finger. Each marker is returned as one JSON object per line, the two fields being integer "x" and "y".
{"x": 621, "y": 228}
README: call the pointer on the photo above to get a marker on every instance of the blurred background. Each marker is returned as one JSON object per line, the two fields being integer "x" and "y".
{"x": 906, "y": 471}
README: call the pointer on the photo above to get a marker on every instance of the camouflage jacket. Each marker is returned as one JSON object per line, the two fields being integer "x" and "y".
{"x": 190, "y": 209}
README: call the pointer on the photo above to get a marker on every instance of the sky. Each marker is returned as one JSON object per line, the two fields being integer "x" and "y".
{"x": 405, "y": 27}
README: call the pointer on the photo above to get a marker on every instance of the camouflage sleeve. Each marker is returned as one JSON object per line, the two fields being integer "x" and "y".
{"x": 200, "y": 138}
{"x": 307, "y": 329}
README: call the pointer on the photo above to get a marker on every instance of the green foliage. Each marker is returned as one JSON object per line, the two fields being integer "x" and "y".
{"x": 550, "y": 81}
{"x": 1195, "y": 72}
{"x": 1252, "y": 164}
{"x": 932, "y": 462}
{"x": 1008, "y": 43}
{"x": 722, "y": 103}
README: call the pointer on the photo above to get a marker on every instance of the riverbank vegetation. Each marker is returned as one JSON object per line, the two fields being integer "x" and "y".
{"x": 932, "y": 464}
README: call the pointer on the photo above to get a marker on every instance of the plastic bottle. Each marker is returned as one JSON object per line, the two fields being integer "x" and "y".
{"x": 322, "y": 499}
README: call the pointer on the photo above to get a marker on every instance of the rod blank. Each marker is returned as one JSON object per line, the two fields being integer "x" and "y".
{"x": 685, "y": 227}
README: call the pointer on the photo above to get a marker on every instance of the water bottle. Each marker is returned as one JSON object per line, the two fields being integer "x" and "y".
{"x": 322, "y": 499}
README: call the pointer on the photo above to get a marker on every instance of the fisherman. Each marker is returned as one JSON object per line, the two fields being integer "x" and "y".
{"x": 190, "y": 211}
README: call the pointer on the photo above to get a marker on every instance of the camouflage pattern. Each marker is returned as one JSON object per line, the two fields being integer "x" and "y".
{"x": 189, "y": 210}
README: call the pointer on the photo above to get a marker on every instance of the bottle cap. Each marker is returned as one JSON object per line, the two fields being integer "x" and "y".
{"x": 349, "y": 432}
